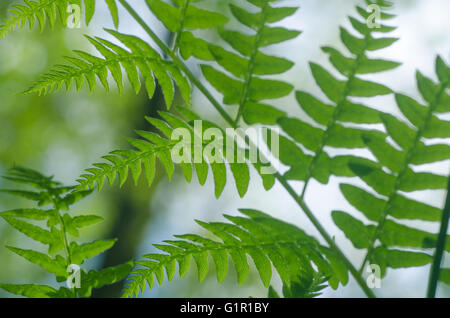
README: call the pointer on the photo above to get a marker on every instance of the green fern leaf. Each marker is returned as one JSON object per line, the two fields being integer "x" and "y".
{"x": 33, "y": 214}
{"x": 108, "y": 276}
{"x": 394, "y": 258}
{"x": 72, "y": 225}
{"x": 307, "y": 287}
{"x": 55, "y": 266}
{"x": 84, "y": 251}
{"x": 82, "y": 221}
{"x": 51, "y": 238}
{"x": 331, "y": 119}
{"x": 31, "y": 291}
{"x": 400, "y": 177}
{"x": 445, "y": 275}
{"x": 139, "y": 56}
{"x": 249, "y": 64}
{"x": 266, "y": 240}
{"x": 142, "y": 160}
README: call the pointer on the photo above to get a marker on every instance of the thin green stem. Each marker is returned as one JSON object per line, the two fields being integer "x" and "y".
{"x": 64, "y": 237}
{"x": 435, "y": 270}
{"x": 230, "y": 121}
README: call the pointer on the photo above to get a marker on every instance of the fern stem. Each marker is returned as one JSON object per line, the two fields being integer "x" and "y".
{"x": 229, "y": 120}
{"x": 400, "y": 175}
{"x": 64, "y": 238}
{"x": 310, "y": 215}
{"x": 369, "y": 293}
{"x": 435, "y": 270}
{"x": 177, "y": 61}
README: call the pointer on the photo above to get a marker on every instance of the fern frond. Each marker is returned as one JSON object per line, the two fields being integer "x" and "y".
{"x": 331, "y": 120}
{"x": 248, "y": 65}
{"x": 164, "y": 148}
{"x": 44, "y": 11}
{"x": 140, "y": 56}
{"x": 266, "y": 240}
{"x": 412, "y": 150}
{"x": 55, "y": 234}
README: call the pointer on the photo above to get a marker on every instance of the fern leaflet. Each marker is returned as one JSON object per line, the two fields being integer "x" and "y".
{"x": 140, "y": 56}
{"x": 181, "y": 19}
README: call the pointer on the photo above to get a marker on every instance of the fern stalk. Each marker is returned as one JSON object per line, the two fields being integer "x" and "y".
{"x": 300, "y": 201}
{"x": 64, "y": 239}
{"x": 357, "y": 275}
{"x": 435, "y": 271}
{"x": 404, "y": 170}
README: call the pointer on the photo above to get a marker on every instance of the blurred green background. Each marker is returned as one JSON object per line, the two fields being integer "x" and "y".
{"x": 64, "y": 133}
